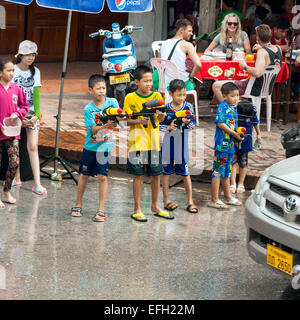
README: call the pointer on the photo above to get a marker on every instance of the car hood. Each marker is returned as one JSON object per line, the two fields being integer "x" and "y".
{"x": 287, "y": 170}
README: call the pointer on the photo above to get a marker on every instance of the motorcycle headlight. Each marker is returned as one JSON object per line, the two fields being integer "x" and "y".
{"x": 259, "y": 188}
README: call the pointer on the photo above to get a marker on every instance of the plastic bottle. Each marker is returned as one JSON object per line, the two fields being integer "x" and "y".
{"x": 229, "y": 49}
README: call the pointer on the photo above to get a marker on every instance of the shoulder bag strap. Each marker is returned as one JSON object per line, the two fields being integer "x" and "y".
{"x": 172, "y": 51}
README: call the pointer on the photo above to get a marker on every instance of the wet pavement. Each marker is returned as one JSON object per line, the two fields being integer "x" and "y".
{"x": 47, "y": 254}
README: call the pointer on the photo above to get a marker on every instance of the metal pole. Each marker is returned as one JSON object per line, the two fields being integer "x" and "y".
{"x": 63, "y": 75}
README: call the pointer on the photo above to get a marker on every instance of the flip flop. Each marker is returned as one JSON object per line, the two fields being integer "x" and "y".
{"x": 170, "y": 206}
{"x": 139, "y": 217}
{"x": 233, "y": 188}
{"x": 78, "y": 210}
{"x": 233, "y": 202}
{"x": 99, "y": 214}
{"x": 41, "y": 191}
{"x": 164, "y": 214}
{"x": 16, "y": 184}
{"x": 240, "y": 189}
{"x": 192, "y": 208}
{"x": 218, "y": 205}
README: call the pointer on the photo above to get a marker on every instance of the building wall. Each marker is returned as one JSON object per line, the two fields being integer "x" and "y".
{"x": 153, "y": 29}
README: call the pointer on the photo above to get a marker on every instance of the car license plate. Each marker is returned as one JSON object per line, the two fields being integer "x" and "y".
{"x": 279, "y": 259}
{"x": 120, "y": 78}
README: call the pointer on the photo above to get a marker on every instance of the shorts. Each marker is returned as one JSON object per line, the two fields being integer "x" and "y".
{"x": 36, "y": 125}
{"x": 94, "y": 163}
{"x": 181, "y": 169}
{"x": 241, "y": 159}
{"x": 222, "y": 166}
{"x": 140, "y": 162}
{"x": 241, "y": 85}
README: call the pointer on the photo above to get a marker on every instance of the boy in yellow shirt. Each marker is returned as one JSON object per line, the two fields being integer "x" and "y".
{"x": 144, "y": 143}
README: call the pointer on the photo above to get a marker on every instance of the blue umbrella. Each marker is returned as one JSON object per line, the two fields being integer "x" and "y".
{"x": 94, "y": 6}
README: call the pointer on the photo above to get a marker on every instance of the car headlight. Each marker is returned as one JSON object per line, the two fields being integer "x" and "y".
{"x": 259, "y": 188}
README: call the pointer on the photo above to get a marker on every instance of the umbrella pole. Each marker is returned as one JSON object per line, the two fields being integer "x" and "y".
{"x": 56, "y": 157}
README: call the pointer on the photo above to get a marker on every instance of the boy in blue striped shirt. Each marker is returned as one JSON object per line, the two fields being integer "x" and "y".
{"x": 175, "y": 149}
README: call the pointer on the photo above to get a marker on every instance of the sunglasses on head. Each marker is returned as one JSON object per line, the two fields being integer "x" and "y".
{"x": 232, "y": 23}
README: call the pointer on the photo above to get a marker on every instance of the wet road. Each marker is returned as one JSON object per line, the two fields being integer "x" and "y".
{"x": 47, "y": 254}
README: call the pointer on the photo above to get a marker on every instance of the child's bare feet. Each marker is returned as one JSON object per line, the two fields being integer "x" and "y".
{"x": 2, "y": 205}
{"x": 9, "y": 198}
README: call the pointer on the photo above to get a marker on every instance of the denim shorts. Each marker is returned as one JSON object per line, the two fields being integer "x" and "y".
{"x": 222, "y": 166}
{"x": 141, "y": 162}
{"x": 181, "y": 169}
{"x": 94, "y": 163}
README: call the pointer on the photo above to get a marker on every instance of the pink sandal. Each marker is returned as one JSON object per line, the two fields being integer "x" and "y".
{"x": 41, "y": 191}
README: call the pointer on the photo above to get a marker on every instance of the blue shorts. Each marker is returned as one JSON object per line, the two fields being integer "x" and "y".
{"x": 94, "y": 163}
{"x": 181, "y": 169}
{"x": 222, "y": 166}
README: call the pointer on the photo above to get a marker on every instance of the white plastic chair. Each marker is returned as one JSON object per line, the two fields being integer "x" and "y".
{"x": 269, "y": 77}
{"x": 156, "y": 45}
{"x": 161, "y": 65}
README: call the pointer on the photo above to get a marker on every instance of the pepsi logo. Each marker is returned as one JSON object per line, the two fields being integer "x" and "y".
{"x": 120, "y": 4}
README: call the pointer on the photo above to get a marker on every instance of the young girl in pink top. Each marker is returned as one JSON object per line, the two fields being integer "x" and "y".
{"x": 13, "y": 104}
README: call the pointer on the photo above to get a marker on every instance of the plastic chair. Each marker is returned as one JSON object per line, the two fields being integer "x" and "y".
{"x": 269, "y": 77}
{"x": 156, "y": 45}
{"x": 161, "y": 65}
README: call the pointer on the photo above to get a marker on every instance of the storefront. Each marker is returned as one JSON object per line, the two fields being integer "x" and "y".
{"x": 47, "y": 27}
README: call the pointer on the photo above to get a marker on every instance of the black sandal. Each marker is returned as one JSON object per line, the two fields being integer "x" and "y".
{"x": 170, "y": 206}
{"x": 78, "y": 210}
{"x": 192, "y": 208}
{"x": 99, "y": 214}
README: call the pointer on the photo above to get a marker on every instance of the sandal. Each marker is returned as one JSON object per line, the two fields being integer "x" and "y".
{"x": 233, "y": 202}
{"x": 170, "y": 206}
{"x": 164, "y": 214}
{"x": 192, "y": 208}
{"x": 218, "y": 205}
{"x": 41, "y": 191}
{"x": 78, "y": 211}
{"x": 233, "y": 188}
{"x": 240, "y": 189}
{"x": 101, "y": 217}
{"x": 139, "y": 217}
{"x": 16, "y": 184}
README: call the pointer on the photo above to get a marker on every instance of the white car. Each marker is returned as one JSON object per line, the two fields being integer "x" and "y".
{"x": 272, "y": 217}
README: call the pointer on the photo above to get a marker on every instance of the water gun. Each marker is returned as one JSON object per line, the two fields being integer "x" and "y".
{"x": 179, "y": 115}
{"x": 109, "y": 113}
{"x": 149, "y": 110}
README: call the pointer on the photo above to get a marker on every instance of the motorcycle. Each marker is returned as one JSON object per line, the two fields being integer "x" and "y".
{"x": 119, "y": 60}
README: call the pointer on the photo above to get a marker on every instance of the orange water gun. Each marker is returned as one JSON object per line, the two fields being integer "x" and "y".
{"x": 109, "y": 114}
{"x": 179, "y": 115}
{"x": 241, "y": 131}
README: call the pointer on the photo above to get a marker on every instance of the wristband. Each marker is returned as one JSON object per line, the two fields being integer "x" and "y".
{"x": 190, "y": 77}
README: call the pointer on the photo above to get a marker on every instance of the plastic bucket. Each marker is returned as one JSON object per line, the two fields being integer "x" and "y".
{"x": 11, "y": 127}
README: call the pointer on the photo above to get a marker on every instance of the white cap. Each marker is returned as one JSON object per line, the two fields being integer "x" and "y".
{"x": 27, "y": 47}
